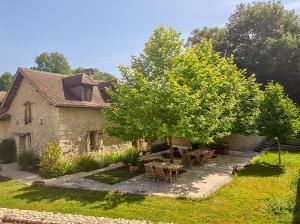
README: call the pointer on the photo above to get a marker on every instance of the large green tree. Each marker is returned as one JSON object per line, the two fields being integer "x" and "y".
{"x": 264, "y": 39}
{"x": 172, "y": 91}
{"x": 98, "y": 75}
{"x": 6, "y": 80}
{"x": 52, "y": 62}
{"x": 279, "y": 116}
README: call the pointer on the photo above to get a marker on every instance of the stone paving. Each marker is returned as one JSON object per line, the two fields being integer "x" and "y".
{"x": 197, "y": 182}
{"x": 34, "y": 217}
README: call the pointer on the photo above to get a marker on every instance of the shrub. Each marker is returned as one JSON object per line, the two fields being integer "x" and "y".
{"x": 86, "y": 162}
{"x": 52, "y": 162}
{"x": 130, "y": 157}
{"x": 158, "y": 147}
{"x": 8, "y": 150}
{"x": 28, "y": 160}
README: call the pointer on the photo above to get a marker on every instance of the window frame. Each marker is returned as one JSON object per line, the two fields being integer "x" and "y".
{"x": 28, "y": 112}
{"x": 86, "y": 90}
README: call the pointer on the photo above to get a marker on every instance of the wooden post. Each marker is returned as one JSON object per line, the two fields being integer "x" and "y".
{"x": 279, "y": 152}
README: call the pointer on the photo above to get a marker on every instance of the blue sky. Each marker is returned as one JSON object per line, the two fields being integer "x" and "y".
{"x": 99, "y": 33}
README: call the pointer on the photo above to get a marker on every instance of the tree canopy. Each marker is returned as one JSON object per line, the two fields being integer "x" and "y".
{"x": 98, "y": 75}
{"x": 279, "y": 117}
{"x": 170, "y": 90}
{"x": 6, "y": 80}
{"x": 264, "y": 38}
{"x": 53, "y": 62}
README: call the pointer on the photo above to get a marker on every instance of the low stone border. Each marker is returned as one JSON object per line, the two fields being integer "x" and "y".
{"x": 33, "y": 217}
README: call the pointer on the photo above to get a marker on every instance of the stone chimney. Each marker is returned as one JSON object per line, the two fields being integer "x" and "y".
{"x": 89, "y": 72}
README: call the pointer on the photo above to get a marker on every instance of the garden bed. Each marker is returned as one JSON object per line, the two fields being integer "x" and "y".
{"x": 115, "y": 176}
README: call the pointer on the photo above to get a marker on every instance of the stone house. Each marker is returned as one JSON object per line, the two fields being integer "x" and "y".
{"x": 42, "y": 106}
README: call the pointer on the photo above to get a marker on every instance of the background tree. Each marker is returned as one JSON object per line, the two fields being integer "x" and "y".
{"x": 98, "y": 75}
{"x": 264, "y": 39}
{"x": 215, "y": 34}
{"x": 53, "y": 62}
{"x": 279, "y": 116}
{"x": 6, "y": 80}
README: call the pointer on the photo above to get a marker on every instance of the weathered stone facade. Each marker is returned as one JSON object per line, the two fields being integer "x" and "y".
{"x": 70, "y": 125}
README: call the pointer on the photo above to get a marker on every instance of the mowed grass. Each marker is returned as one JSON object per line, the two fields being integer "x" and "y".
{"x": 262, "y": 193}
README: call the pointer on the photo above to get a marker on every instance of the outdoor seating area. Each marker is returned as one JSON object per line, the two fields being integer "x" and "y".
{"x": 162, "y": 171}
{"x": 160, "y": 168}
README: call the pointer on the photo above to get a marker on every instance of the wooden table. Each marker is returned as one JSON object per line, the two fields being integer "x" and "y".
{"x": 198, "y": 152}
{"x": 167, "y": 166}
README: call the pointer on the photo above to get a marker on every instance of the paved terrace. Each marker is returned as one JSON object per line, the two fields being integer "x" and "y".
{"x": 197, "y": 182}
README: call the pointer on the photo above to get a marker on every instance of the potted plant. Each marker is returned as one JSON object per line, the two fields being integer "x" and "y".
{"x": 131, "y": 159}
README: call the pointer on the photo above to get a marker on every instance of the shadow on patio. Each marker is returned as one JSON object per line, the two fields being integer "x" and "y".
{"x": 97, "y": 199}
{"x": 297, "y": 205}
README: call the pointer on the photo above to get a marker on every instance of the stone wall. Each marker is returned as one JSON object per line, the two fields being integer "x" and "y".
{"x": 240, "y": 142}
{"x": 76, "y": 123}
{"x": 44, "y": 115}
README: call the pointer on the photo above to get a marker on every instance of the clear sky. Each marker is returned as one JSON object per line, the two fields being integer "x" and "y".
{"x": 99, "y": 33}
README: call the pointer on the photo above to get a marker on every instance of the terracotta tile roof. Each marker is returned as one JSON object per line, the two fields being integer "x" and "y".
{"x": 56, "y": 88}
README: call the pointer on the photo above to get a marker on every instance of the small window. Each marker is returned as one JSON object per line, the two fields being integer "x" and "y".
{"x": 87, "y": 94}
{"x": 27, "y": 112}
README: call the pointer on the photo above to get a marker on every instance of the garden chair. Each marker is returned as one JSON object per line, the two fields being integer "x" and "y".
{"x": 166, "y": 160}
{"x": 150, "y": 172}
{"x": 207, "y": 156}
{"x": 161, "y": 174}
{"x": 186, "y": 158}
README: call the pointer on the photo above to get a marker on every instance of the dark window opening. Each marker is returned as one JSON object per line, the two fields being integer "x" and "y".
{"x": 87, "y": 94}
{"x": 28, "y": 118}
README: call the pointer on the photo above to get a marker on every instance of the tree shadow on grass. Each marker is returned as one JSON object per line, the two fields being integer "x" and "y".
{"x": 262, "y": 170}
{"x": 4, "y": 179}
{"x": 97, "y": 199}
{"x": 297, "y": 204}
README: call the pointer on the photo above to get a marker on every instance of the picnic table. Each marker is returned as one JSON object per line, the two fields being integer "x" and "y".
{"x": 170, "y": 167}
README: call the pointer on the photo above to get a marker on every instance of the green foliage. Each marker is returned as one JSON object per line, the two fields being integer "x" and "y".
{"x": 215, "y": 34}
{"x": 53, "y": 62}
{"x": 158, "y": 147}
{"x": 86, "y": 162}
{"x": 52, "y": 162}
{"x": 98, "y": 75}
{"x": 279, "y": 116}
{"x": 130, "y": 157}
{"x": 6, "y": 80}
{"x": 280, "y": 206}
{"x": 264, "y": 38}
{"x": 8, "y": 150}
{"x": 28, "y": 160}
{"x": 173, "y": 91}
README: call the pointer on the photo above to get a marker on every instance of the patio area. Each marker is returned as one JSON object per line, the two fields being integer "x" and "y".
{"x": 195, "y": 182}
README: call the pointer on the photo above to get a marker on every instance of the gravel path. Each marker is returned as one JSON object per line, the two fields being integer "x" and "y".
{"x": 9, "y": 216}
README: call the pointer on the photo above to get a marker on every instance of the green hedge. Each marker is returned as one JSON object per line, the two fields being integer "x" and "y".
{"x": 8, "y": 150}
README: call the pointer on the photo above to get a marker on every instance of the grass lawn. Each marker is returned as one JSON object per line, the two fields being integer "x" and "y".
{"x": 114, "y": 176}
{"x": 262, "y": 193}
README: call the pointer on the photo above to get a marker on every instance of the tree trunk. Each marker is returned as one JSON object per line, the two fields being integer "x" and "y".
{"x": 279, "y": 152}
{"x": 171, "y": 149}
{"x": 135, "y": 144}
